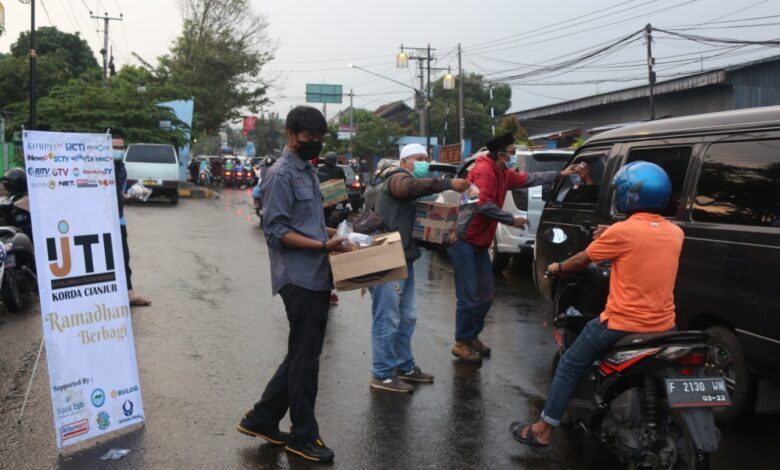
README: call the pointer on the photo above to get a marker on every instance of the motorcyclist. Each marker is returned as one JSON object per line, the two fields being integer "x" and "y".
{"x": 645, "y": 251}
{"x": 204, "y": 168}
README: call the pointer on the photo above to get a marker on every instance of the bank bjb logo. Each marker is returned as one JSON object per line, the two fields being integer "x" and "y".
{"x": 127, "y": 408}
{"x": 103, "y": 420}
{"x": 96, "y": 250}
{"x": 98, "y": 398}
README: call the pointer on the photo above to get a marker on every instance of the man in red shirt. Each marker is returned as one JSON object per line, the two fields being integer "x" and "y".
{"x": 645, "y": 252}
{"x": 494, "y": 174}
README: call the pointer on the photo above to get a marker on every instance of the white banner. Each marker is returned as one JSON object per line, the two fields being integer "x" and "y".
{"x": 86, "y": 314}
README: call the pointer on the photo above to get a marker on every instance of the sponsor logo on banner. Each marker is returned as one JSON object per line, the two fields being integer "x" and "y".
{"x": 85, "y": 183}
{"x": 72, "y": 403}
{"x": 103, "y": 420}
{"x": 93, "y": 247}
{"x": 125, "y": 391}
{"x": 52, "y": 184}
{"x": 76, "y": 172}
{"x": 36, "y": 158}
{"x": 70, "y": 430}
{"x": 98, "y": 398}
{"x": 66, "y": 183}
{"x": 127, "y": 408}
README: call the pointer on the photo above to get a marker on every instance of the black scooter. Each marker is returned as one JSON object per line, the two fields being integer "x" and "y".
{"x": 648, "y": 400}
{"x": 17, "y": 256}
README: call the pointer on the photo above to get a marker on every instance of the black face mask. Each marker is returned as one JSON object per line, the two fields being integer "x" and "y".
{"x": 309, "y": 150}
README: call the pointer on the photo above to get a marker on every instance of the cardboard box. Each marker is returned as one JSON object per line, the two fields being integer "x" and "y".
{"x": 434, "y": 222}
{"x": 333, "y": 192}
{"x": 382, "y": 262}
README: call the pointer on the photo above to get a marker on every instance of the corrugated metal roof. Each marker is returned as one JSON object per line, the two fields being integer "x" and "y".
{"x": 714, "y": 77}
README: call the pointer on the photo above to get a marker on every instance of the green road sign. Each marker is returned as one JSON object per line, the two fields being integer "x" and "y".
{"x": 322, "y": 93}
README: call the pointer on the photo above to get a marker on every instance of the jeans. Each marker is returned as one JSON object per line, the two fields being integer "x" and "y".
{"x": 394, "y": 315}
{"x": 294, "y": 385}
{"x": 594, "y": 341}
{"x": 474, "y": 288}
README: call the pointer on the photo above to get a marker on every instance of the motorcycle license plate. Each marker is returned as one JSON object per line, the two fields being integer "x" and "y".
{"x": 10, "y": 260}
{"x": 698, "y": 392}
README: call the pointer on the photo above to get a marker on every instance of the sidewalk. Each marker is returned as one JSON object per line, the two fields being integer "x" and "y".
{"x": 191, "y": 190}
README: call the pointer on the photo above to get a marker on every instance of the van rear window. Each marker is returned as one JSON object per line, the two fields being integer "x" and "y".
{"x": 739, "y": 184}
{"x": 150, "y": 154}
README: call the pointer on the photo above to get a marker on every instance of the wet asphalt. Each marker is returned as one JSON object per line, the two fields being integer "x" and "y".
{"x": 214, "y": 336}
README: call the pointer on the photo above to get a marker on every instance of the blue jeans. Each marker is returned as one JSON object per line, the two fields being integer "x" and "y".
{"x": 394, "y": 315}
{"x": 474, "y": 288}
{"x": 590, "y": 345}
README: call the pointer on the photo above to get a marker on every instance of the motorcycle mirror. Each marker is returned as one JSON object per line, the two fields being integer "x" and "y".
{"x": 556, "y": 236}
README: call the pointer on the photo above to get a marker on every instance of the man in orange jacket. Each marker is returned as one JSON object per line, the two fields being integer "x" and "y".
{"x": 474, "y": 285}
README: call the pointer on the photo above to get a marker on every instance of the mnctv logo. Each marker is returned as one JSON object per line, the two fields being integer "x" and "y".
{"x": 61, "y": 261}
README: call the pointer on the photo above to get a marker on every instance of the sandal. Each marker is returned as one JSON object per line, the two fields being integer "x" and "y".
{"x": 140, "y": 302}
{"x": 516, "y": 430}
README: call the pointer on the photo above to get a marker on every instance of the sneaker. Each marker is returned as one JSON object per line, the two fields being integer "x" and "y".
{"x": 334, "y": 298}
{"x": 465, "y": 353}
{"x": 271, "y": 435}
{"x": 391, "y": 384}
{"x": 315, "y": 451}
{"x": 480, "y": 348}
{"x": 415, "y": 375}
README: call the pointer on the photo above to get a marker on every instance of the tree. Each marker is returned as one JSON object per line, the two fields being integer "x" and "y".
{"x": 218, "y": 57}
{"x": 511, "y": 124}
{"x": 477, "y": 104}
{"x": 85, "y": 105}
{"x": 61, "y": 57}
{"x": 374, "y": 135}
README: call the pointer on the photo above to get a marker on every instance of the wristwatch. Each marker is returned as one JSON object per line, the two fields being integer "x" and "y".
{"x": 560, "y": 265}
{"x": 325, "y": 246}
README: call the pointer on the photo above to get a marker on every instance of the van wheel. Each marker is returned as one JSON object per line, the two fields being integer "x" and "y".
{"x": 727, "y": 359}
{"x": 174, "y": 198}
{"x": 500, "y": 260}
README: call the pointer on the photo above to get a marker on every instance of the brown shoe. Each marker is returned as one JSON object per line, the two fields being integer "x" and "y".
{"x": 480, "y": 348}
{"x": 466, "y": 353}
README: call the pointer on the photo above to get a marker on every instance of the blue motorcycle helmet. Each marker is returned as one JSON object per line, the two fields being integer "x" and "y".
{"x": 641, "y": 187}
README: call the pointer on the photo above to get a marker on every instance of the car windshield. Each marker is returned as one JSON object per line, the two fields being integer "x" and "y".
{"x": 539, "y": 163}
{"x": 150, "y": 154}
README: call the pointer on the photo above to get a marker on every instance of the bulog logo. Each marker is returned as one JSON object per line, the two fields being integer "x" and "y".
{"x": 60, "y": 261}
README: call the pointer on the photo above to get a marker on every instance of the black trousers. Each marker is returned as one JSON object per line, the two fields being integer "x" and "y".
{"x": 126, "y": 251}
{"x": 294, "y": 385}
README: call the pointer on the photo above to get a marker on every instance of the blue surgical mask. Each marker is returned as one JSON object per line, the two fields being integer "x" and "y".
{"x": 513, "y": 161}
{"x": 421, "y": 169}
{"x": 119, "y": 155}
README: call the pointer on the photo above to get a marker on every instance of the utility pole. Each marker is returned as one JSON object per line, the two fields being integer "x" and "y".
{"x": 650, "y": 72}
{"x": 428, "y": 105}
{"x": 105, "y": 52}
{"x": 492, "y": 111}
{"x": 421, "y": 98}
{"x": 461, "y": 117}
{"x": 33, "y": 69}
{"x": 351, "y": 122}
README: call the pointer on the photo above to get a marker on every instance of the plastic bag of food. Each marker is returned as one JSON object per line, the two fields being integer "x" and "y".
{"x": 139, "y": 192}
{"x": 351, "y": 237}
{"x": 471, "y": 196}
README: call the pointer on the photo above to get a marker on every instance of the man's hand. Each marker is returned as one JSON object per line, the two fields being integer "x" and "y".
{"x": 519, "y": 222}
{"x": 599, "y": 231}
{"x": 554, "y": 268}
{"x": 337, "y": 245}
{"x": 579, "y": 168}
{"x": 460, "y": 185}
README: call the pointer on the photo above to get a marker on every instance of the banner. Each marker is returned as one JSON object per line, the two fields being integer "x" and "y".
{"x": 250, "y": 123}
{"x": 87, "y": 325}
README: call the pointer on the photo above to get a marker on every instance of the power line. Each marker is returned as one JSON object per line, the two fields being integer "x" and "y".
{"x": 711, "y": 40}
{"x": 46, "y": 10}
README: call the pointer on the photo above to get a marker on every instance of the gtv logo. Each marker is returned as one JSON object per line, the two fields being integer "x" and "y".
{"x": 61, "y": 260}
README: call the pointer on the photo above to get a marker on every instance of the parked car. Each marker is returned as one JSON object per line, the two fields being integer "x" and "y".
{"x": 725, "y": 174}
{"x": 156, "y": 166}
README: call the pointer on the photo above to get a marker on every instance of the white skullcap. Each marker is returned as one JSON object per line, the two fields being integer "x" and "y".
{"x": 411, "y": 150}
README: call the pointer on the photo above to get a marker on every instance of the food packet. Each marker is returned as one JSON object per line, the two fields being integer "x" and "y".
{"x": 351, "y": 237}
{"x": 139, "y": 192}
{"x": 471, "y": 196}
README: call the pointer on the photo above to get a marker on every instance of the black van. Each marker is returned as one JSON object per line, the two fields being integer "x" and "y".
{"x": 725, "y": 172}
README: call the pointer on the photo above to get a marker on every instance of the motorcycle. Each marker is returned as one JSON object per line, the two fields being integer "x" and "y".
{"x": 204, "y": 174}
{"x": 257, "y": 202}
{"x": 649, "y": 400}
{"x": 17, "y": 256}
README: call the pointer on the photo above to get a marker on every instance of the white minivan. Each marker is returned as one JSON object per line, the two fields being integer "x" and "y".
{"x": 156, "y": 166}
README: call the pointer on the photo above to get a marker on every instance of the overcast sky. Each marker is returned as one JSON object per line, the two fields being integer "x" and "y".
{"x": 316, "y": 39}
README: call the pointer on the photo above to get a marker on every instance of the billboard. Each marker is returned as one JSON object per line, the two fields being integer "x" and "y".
{"x": 323, "y": 93}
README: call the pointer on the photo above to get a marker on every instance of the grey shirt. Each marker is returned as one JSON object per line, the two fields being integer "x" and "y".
{"x": 292, "y": 202}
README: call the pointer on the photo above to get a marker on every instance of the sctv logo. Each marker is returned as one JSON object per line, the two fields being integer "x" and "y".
{"x": 61, "y": 260}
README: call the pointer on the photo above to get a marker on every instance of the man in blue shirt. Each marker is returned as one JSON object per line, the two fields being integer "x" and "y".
{"x": 298, "y": 247}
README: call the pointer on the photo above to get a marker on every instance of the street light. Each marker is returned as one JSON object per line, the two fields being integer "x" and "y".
{"x": 402, "y": 60}
{"x": 449, "y": 81}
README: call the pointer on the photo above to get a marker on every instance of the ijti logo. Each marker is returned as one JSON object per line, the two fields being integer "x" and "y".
{"x": 74, "y": 429}
{"x": 93, "y": 247}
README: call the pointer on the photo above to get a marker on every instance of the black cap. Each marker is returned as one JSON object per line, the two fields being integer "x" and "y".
{"x": 500, "y": 142}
